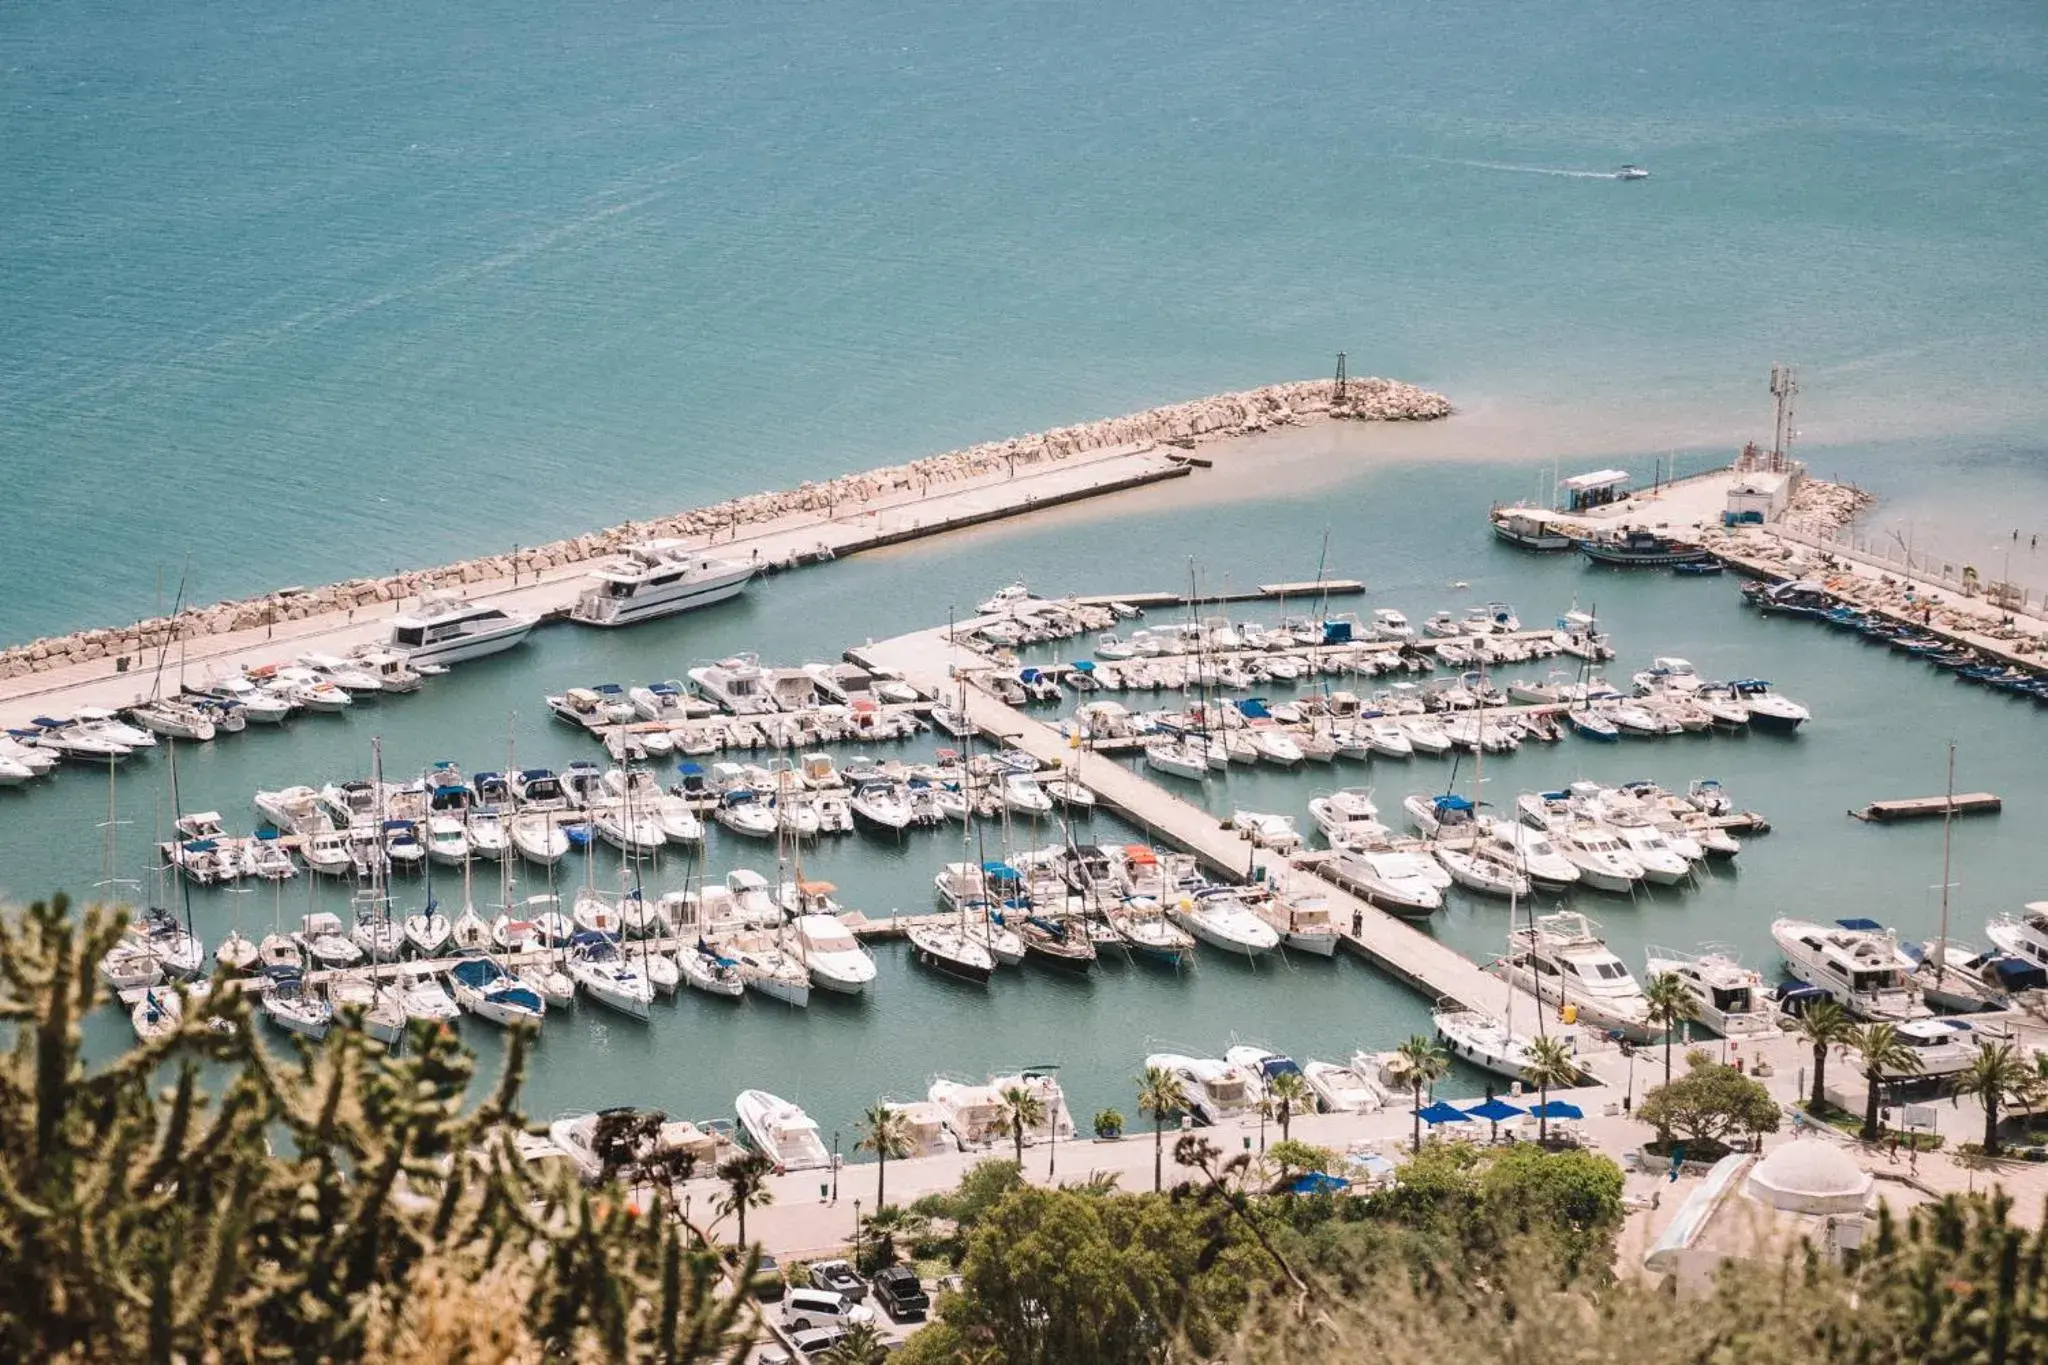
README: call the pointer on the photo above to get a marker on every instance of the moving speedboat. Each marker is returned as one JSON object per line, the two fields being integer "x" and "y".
{"x": 1631, "y": 172}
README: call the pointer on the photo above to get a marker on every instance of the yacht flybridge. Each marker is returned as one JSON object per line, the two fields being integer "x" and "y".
{"x": 444, "y": 629}
{"x": 658, "y": 578}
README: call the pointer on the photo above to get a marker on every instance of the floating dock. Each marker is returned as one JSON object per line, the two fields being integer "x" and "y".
{"x": 1930, "y": 807}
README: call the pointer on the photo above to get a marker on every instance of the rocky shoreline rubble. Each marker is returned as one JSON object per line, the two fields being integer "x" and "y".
{"x": 1182, "y": 425}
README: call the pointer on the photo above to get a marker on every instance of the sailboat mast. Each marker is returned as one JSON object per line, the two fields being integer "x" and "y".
{"x": 1948, "y": 821}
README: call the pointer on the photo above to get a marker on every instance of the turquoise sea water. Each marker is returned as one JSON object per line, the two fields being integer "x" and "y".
{"x": 300, "y": 292}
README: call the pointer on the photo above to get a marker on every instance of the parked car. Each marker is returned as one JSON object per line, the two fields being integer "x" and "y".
{"x": 818, "y": 1340}
{"x": 806, "y": 1308}
{"x": 902, "y": 1297}
{"x": 768, "y": 1283}
{"x": 839, "y": 1277}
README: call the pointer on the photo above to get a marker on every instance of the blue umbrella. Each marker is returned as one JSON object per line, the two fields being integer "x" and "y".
{"x": 1558, "y": 1109}
{"x": 1495, "y": 1111}
{"x": 1440, "y": 1112}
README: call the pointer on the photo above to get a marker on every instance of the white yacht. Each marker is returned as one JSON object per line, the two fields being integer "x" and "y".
{"x": 1216, "y": 1091}
{"x": 1602, "y": 862}
{"x": 325, "y": 942}
{"x": 1944, "y": 1046}
{"x": 596, "y": 965}
{"x": 1388, "y": 624}
{"x": 924, "y": 1127}
{"x": 738, "y": 684}
{"x": 1218, "y": 918}
{"x": 1562, "y": 960}
{"x": 2025, "y": 935}
{"x": 780, "y": 1131}
{"x": 1661, "y": 863}
{"x": 972, "y": 1113}
{"x": 1058, "y": 1123}
{"x": 1529, "y": 852}
{"x": 1481, "y": 874}
{"x": 447, "y": 630}
{"x": 835, "y": 958}
{"x": 1395, "y": 882}
{"x": 658, "y": 578}
{"x": 1484, "y": 1041}
{"x": 1727, "y": 997}
{"x": 1342, "y": 1090}
{"x": 1267, "y": 830}
{"x": 1348, "y": 816}
{"x": 1856, "y": 961}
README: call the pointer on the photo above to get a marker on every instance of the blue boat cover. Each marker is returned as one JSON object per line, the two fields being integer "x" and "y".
{"x": 1861, "y": 925}
{"x": 1448, "y": 802}
{"x": 1002, "y": 871}
{"x": 1336, "y": 632}
{"x": 2015, "y": 974}
{"x": 1083, "y": 665}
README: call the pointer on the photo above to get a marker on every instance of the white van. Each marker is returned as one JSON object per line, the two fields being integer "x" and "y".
{"x": 803, "y": 1308}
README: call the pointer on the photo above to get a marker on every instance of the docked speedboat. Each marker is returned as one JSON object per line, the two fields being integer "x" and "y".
{"x": 1044, "y": 1085}
{"x": 1218, "y": 918}
{"x": 834, "y": 957}
{"x": 882, "y": 806}
{"x": 1562, "y": 960}
{"x": 1260, "y": 1065}
{"x": 974, "y": 1114}
{"x": 737, "y": 683}
{"x": 1944, "y": 1048}
{"x": 1395, "y": 882}
{"x": 1529, "y": 852}
{"x": 1727, "y": 997}
{"x": 488, "y": 832}
{"x": 1348, "y": 816}
{"x": 780, "y": 1131}
{"x": 447, "y": 630}
{"x": 628, "y": 829}
{"x": 1341, "y": 1090}
{"x": 1216, "y": 1091}
{"x": 743, "y": 811}
{"x": 1601, "y": 860}
{"x": 1424, "y": 734}
{"x": 923, "y": 1126}
{"x": 596, "y": 965}
{"x": 1388, "y": 624}
{"x": 658, "y": 578}
{"x": 768, "y": 967}
{"x": 660, "y": 1140}
{"x": 1653, "y": 853}
{"x": 447, "y": 840}
{"x": 358, "y": 1000}
{"x": 325, "y": 943}
{"x": 1856, "y": 961}
{"x": 1478, "y": 1038}
{"x": 1441, "y": 814}
{"x": 539, "y": 838}
{"x": 1265, "y": 830}
{"x": 1023, "y": 795}
{"x": 424, "y": 997}
{"x": 1767, "y": 709}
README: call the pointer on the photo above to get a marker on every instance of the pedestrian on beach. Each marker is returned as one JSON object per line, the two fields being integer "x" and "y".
{"x": 1892, "y": 1150}
{"x": 1913, "y": 1159}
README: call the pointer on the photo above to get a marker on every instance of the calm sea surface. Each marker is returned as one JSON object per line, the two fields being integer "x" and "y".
{"x": 296, "y": 292}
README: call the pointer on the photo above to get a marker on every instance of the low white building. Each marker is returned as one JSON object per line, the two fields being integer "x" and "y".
{"x": 1761, "y": 496}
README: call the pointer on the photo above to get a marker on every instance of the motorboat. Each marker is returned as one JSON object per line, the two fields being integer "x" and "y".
{"x": 358, "y": 1000}
{"x": 173, "y": 718}
{"x": 346, "y": 674}
{"x": 1385, "y": 738}
{"x": 1145, "y": 930}
{"x": 1302, "y": 919}
{"x": 953, "y": 949}
{"x": 539, "y": 838}
{"x": 1631, "y": 172}
{"x": 1602, "y": 862}
{"x": 596, "y": 965}
{"x": 1441, "y": 815}
{"x": 658, "y": 578}
{"x": 1348, "y": 816}
{"x": 427, "y": 932}
{"x": 445, "y": 629}
{"x": 1726, "y": 996}
{"x": 661, "y": 1145}
{"x": 392, "y": 671}
{"x": 745, "y": 812}
{"x": 1043, "y": 1084}
{"x": 1274, "y": 745}
{"x": 447, "y": 840}
{"x": 1481, "y": 874}
{"x": 1260, "y": 1065}
{"x": 1388, "y": 624}
{"x": 1481, "y": 1040}
{"x": 1340, "y": 1089}
{"x": 630, "y": 830}
{"x": 266, "y": 858}
{"x": 1563, "y": 961}
{"x": 1425, "y": 734}
{"x": 1594, "y": 725}
{"x": 1396, "y": 882}
{"x": 1023, "y": 795}
{"x": 882, "y": 806}
{"x": 780, "y": 1131}
{"x": 1069, "y": 791}
{"x": 1220, "y": 919}
{"x": 488, "y": 832}
{"x": 1856, "y": 962}
{"x": 1177, "y": 758}
{"x": 424, "y": 997}
{"x": 325, "y": 942}
{"x": 1661, "y": 863}
{"x": 1767, "y": 709}
{"x": 403, "y": 847}
{"x": 130, "y": 964}
{"x": 737, "y": 683}
{"x": 922, "y": 1125}
{"x": 73, "y": 740}
{"x": 1266, "y": 830}
{"x": 594, "y": 708}
{"x": 1015, "y": 595}
{"x": 1216, "y": 1092}
{"x": 836, "y": 960}
{"x": 976, "y": 1115}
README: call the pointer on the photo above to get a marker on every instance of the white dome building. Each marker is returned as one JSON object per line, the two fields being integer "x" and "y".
{"x": 1810, "y": 1177}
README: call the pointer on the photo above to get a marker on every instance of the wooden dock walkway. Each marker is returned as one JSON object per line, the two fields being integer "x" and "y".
{"x": 1930, "y": 807}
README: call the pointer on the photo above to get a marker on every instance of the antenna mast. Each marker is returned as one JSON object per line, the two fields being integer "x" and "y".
{"x": 1784, "y": 388}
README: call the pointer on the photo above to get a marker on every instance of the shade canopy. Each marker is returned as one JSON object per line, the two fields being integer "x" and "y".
{"x": 1495, "y": 1111}
{"x": 1439, "y": 1112}
{"x": 1558, "y": 1109}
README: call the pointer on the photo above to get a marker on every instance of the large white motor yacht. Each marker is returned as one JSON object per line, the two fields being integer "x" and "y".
{"x": 658, "y": 578}
{"x": 780, "y": 1131}
{"x": 1856, "y": 961}
{"x": 1563, "y": 961}
{"x": 447, "y": 630}
{"x": 1727, "y": 997}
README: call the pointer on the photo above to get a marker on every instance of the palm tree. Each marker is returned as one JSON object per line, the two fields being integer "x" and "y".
{"x": 1159, "y": 1095}
{"x": 1021, "y": 1109}
{"x": 862, "y": 1345}
{"x": 1995, "y": 1076}
{"x": 1880, "y": 1049}
{"x": 1425, "y": 1064}
{"x": 746, "y": 1186}
{"x": 1290, "y": 1095}
{"x": 1669, "y": 1003}
{"x": 886, "y": 1132}
{"x": 1824, "y": 1026}
{"x": 1550, "y": 1063}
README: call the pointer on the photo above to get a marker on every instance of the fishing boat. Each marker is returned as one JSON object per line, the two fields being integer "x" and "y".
{"x": 445, "y": 629}
{"x": 658, "y": 578}
{"x": 1639, "y": 549}
{"x": 780, "y": 1131}
{"x": 1855, "y": 961}
{"x": 1527, "y": 529}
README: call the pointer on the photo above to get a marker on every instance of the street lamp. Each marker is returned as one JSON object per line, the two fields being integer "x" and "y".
{"x": 856, "y": 1234}
{"x": 835, "y": 1165}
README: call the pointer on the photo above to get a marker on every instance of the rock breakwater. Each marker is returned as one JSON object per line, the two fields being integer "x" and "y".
{"x": 1178, "y": 424}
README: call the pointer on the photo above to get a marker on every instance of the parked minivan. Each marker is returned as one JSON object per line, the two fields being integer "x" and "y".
{"x": 803, "y": 1308}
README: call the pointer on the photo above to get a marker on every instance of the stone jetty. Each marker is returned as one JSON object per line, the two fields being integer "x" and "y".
{"x": 1179, "y": 424}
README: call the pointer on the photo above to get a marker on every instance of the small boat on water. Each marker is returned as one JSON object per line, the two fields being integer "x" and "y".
{"x": 1395, "y": 882}
{"x": 286, "y": 1004}
{"x": 1218, "y": 918}
{"x": 1216, "y": 1091}
{"x": 1631, "y": 172}
{"x": 836, "y": 960}
{"x": 780, "y": 1131}
{"x": 1639, "y": 549}
{"x": 611, "y": 979}
{"x": 954, "y": 950}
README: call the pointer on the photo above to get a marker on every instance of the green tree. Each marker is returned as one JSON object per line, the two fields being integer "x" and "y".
{"x": 1708, "y": 1104}
{"x": 1670, "y": 1003}
{"x": 1022, "y": 1110}
{"x": 884, "y": 1131}
{"x": 1160, "y": 1096}
{"x": 1424, "y": 1064}
{"x": 1997, "y": 1074}
{"x": 1570, "y": 1199}
{"x": 888, "y": 1228}
{"x": 746, "y": 1187}
{"x": 965, "y": 1205}
{"x": 1289, "y": 1095}
{"x": 1550, "y": 1063}
{"x": 1823, "y": 1027}
{"x": 1109, "y": 1123}
{"x": 1290, "y": 1158}
{"x": 1883, "y": 1053}
{"x": 862, "y": 1345}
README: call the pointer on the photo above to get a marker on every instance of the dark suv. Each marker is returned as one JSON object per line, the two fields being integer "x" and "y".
{"x": 901, "y": 1294}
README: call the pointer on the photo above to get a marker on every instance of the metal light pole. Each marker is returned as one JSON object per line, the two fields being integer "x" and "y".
{"x": 856, "y": 1234}
{"x": 835, "y": 1166}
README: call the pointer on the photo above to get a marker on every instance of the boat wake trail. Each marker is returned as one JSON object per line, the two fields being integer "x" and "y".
{"x": 1564, "y": 171}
